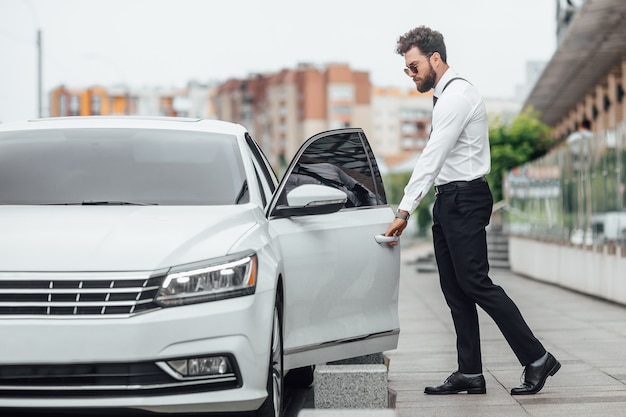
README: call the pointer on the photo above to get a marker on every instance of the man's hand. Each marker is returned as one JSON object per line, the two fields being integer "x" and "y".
{"x": 395, "y": 229}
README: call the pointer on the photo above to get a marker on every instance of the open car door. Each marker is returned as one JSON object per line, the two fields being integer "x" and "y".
{"x": 341, "y": 277}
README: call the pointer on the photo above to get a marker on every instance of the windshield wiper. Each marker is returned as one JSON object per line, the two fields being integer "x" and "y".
{"x": 100, "y": 203}
{"x": 114, "y": 203}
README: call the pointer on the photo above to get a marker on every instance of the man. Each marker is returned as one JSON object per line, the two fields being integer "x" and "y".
{"x": 580, "y": 142}
{"x": 583, "y": 132}
{"x": 455, "y": 159}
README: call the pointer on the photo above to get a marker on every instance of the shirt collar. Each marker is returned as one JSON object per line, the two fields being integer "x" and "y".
{"x": 447, "y": 76}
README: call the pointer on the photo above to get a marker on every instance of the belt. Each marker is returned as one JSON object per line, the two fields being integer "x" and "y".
{"x": 457, "y": 184}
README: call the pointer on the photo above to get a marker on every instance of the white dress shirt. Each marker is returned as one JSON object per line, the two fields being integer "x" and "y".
{"x": 458, "y": 147}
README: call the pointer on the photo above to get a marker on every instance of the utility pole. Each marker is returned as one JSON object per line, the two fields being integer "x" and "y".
{"x": 39, "y": 77}
{"x": 33, "y": 13}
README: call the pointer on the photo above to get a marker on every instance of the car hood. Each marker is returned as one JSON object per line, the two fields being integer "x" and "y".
{"x": 117, "y": 238}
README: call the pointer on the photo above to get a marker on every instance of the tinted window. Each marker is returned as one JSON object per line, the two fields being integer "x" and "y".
{"x": 342, "y": 160}
{"x": 120, "y": 165}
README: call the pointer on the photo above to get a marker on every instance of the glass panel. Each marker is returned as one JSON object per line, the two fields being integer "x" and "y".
{"x": 345, "y": 161}
{"x": 120, "y": 165}
{"x": 573, "y": 194}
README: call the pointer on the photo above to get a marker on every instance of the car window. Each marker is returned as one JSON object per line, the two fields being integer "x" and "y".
{"x": 75, "y": 166}
{"x": 264, "y": 173}
{"x": 342, "y": 160}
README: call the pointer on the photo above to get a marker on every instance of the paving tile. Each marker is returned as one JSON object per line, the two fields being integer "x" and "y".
{"x": 586, "y": 334}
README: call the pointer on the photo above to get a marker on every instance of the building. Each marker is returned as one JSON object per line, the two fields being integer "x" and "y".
{"x": 401, "y": 120}
{"x": 586, "y": 77}
{"x": 196, "y": 100}
{"x": 567, "y": 209}
{"x": 283, "y": 109}
{"x": 533, "y": 72}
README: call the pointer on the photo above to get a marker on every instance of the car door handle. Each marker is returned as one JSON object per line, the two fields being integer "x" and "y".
{"x": 386, "y": 239}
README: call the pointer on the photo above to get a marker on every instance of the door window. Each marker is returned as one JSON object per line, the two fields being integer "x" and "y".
{"x": 341, "y": 159}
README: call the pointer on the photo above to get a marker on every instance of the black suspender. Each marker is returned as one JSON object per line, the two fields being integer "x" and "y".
{"x": 437, "y": 98}
{"x": 446, "y": 86}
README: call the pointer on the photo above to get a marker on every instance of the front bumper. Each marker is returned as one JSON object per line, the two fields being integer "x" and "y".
{"x": 239, "y": 328}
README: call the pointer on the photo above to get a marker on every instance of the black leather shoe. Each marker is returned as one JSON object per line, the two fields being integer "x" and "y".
{"x": 535, "y": 376}
{"x": 457, "y": 382}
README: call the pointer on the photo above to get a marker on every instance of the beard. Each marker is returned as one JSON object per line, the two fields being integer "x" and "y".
{"x": 428, "y": 82}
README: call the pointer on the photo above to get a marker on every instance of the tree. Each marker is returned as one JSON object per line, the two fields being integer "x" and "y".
{"x": 394, "y": 187}
{"x": 512, "y": 145}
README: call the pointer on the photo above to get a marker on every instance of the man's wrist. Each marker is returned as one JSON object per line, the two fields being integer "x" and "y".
{"x": 402, "y": 214}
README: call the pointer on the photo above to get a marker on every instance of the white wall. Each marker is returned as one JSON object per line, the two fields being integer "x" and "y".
{"x": 590, "y": 270}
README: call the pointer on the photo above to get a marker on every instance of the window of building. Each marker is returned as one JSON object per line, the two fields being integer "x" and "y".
{"x": 408, "y": 113}
{"x": 74, "y": 106}
{"x": 341, "y": 92}
{"x": 408, "y": 128}
{"x": 96, "y": 105}
{"x": 407, "y": 143}
{"x": 343, "y": 110}
{"x": 63, "y": 105}
{"x": 339, "y": 124}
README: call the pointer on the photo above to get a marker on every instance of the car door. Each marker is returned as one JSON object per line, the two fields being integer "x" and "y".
{"x": 340, "y": 276}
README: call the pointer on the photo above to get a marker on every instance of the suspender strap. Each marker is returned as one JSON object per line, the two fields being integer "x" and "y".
{"x": 449, "y": 81}
{"x": 445, "y": 86}
{"x": 437, "y": 98}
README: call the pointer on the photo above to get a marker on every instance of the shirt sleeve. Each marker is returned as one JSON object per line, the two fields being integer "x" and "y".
{"x": 451, "y": 117}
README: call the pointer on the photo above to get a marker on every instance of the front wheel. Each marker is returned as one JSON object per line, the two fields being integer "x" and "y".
{"x": 300, "y": 378}
{"x": 273, "y": 404}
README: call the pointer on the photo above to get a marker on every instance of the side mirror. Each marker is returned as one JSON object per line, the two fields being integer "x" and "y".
{"x": 310, "y": 199}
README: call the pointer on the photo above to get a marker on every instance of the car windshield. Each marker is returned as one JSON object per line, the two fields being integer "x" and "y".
{"x": 120, "y": 166}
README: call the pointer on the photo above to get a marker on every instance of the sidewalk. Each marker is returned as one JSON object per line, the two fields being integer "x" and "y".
{"x": 588, "y": 337}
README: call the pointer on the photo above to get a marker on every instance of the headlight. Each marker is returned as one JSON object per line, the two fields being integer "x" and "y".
{"x": 197, "y": 283}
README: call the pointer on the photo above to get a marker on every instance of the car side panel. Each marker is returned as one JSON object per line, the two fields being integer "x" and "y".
{"x": 340, "y": 283}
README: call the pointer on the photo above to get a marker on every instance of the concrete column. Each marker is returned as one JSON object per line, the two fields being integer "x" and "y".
{"x": 612, "y": 116}
{"x": 622, "y": 81}
{"x": 599, "y": 102}
{"x": 588, "y": 105}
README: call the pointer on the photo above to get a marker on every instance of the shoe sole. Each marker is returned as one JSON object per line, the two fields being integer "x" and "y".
{"x": 469, "y": 391}
{"x": 552, "y": 371}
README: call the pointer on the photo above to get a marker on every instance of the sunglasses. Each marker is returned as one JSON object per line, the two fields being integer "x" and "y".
{"x": 413, "y": 67}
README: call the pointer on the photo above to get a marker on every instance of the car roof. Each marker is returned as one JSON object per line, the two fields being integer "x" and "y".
{"x": 128, "y": 122}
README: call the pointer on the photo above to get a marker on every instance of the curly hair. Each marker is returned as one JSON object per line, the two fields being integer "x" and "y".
{"x": 427, "y": 40}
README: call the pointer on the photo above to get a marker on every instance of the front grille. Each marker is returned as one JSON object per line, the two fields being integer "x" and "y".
{"x": 118, "y": 379}
{"x": 73, "y": 294}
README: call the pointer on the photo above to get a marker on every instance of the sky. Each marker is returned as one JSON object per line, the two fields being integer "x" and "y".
{"x": 167, "y": 43}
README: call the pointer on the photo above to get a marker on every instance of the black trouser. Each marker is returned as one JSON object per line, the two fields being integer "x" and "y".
{"x": 460, "y": 216}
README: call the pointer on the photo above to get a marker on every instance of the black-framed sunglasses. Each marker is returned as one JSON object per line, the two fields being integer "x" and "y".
{"x": 414, "y": 67}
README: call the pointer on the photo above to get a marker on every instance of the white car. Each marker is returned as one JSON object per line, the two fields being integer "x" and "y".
{"x": 157, "y": 264}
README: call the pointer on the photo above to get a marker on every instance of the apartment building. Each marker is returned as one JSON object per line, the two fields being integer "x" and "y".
{"x": 401, "y": 120}
{"x": 283, "y": 109}
{"x": 195, "y": 100}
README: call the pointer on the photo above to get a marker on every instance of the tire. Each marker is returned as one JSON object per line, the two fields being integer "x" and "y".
{"x": 273, "y": 404}
{"x": 300, "y": 377}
